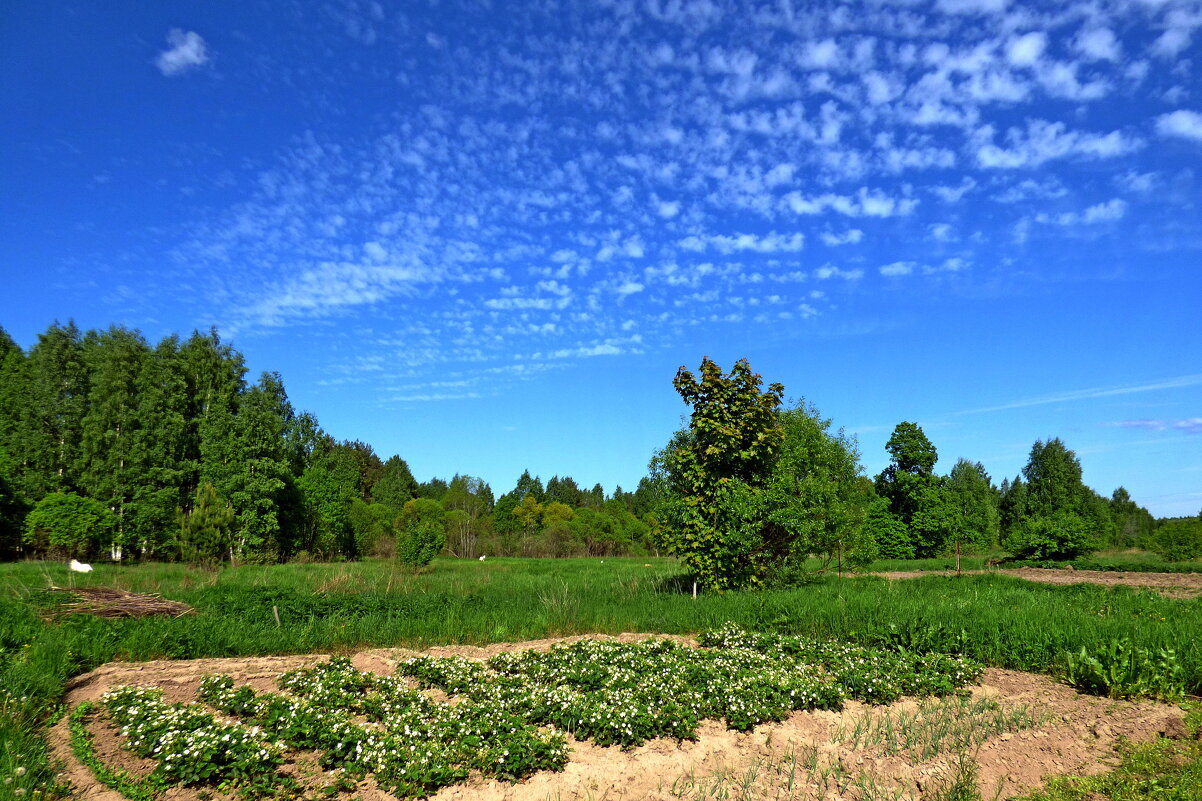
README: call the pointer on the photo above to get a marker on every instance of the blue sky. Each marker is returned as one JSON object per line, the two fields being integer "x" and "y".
{"x": 485, "y": 236}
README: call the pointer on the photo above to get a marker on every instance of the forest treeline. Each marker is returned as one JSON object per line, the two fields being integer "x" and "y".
{"x": 113, "y": 446}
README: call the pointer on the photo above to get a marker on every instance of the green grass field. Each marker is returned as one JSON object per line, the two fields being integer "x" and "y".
{"x": 339, "y": 608}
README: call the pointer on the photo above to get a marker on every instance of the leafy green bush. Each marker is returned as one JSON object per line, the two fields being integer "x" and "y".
{"x": 70, "y": 522}
{"x": 1060, "y": 536}
{"x": 1179, "y": 540}
{"x": 420, "y": 542}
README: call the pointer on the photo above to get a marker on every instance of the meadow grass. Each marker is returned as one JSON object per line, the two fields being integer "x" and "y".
{"x": 339, "y": 608}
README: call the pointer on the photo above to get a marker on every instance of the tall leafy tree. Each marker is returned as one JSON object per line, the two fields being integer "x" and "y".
{"x": 110, "y": 466}
{"x": 328, "y": 487}
{"x": 244, "y": 457}
{"x": 214, "y": 378}
{"x": 206, "y": 531}
{"x": 14, "y": 391}
{"x": 368, "y": 464}
{"x": 564, "y": 490}
{"x": 714, "y": 469}
{"x": 1133, "y": 524}
{"x": 70, "y": 524}
{"x": 914, "y": 492}
{"x": 1062, "y": 517}
{"x": 816, "y": 499}
{"x": 505, "y": 520}
{"x": 433, "y": 489}
{"x": 1012, "y": 505}
{"x": 53, "y": 428}
{"x": 468, "y": 502}
{"x": 12, "y": 508}
{"x": 396, "y": 485}
{"x": 161, "y": 447}
{"x": 973, "y": 503}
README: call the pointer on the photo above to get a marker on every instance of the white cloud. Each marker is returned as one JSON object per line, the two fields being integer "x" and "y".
{"x": 770, "y": 243}
{"x": 953, "y": 194}
{"x": 849, "y": 237}
{"x": 1043, "y": 141}
{"x": 187, "y": 51}
{"x": 1178, "y": 34}
{"x": 629, "y": 288}
{"x": 584, "y": 352}
{"x": 973, "y": 6}
{"x": 820, "y": 55}
{"x": 866, "y": 203}
{"x": 1109, "y": 211}
{"x": 1026, "y": 50}
{"x": 1189, "y": 425}
{"x": 1181, "y": 123}
{"x": 1059, "y": 78}
{"x": 897, "y": 268}
{"x": 1098, "y": 44}
{"x": 1093, "y": 393}
{"x": 831, "y": 271}
{"x": 331, "y": 286}
{"x": 942, "y": 232}
{"x": 667, "y": 209}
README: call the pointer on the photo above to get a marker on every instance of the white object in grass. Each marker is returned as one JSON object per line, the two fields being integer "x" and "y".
{"x": 80, "y": 567}
{"x": 482, "y": 558}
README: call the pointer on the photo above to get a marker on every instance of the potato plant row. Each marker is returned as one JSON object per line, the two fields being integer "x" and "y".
{"x": 509, "y": 716}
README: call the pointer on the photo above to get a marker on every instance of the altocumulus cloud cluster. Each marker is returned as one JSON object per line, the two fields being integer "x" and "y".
{"x": 564, "y": 181}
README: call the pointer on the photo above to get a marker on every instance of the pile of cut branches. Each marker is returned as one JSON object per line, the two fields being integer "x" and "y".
{"x": 112, "y": 603}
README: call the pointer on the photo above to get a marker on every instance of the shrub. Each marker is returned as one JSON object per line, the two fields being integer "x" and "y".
{"x": 66, "y": 521}
{"x": 420, "y": 542}
{"x": 1059, "y": 536}
{"x": 1178, "y": 540}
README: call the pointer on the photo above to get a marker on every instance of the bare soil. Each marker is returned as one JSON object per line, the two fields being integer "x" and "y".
{"x": 800, "y": 758}
{"x": 1171, "y": 585}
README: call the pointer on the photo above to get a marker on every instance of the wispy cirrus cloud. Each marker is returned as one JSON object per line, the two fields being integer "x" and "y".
{"x": 1188, "y": 425}
{"x": 1093, "y": 393}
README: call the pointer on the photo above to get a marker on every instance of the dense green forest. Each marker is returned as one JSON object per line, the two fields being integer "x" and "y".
{"x": 113, "y": 447}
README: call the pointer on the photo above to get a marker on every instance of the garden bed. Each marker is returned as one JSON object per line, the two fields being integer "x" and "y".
{"x": 1012, "y": 728}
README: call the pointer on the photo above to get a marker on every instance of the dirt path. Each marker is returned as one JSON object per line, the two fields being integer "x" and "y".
{"x": 806, "y": 757}
{"x": 1171, "y": 585}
